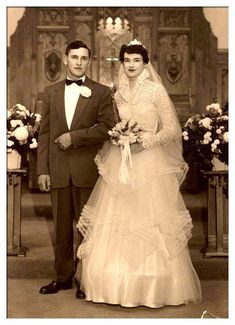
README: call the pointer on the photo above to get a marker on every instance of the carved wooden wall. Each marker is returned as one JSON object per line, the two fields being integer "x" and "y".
{"x": 179, "y": 40}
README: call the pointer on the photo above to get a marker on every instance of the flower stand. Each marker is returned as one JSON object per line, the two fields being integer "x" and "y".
{"x": 13, "y": 160}
{"x": 217, "y": 214}
{"x": 14, "y": 247}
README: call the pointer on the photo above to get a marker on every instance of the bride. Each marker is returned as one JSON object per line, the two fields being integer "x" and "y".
{"x": 136, "y": 228}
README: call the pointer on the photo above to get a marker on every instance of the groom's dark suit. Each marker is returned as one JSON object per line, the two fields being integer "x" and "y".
{"x": 72, "y": 172}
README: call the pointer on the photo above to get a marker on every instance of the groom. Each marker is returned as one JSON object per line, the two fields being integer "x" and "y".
{"x": 77, "y": 115}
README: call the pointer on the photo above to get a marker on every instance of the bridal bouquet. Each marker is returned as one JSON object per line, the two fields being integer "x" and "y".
{"x": 22, "y": 129}
{"x": 125, "y": 132}
{"x": 122, "y": 135}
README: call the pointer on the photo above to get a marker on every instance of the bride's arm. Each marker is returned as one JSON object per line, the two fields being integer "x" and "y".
{"x": 170, "y": 125}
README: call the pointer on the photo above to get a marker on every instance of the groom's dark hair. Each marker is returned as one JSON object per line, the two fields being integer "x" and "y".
{"x": 76, "y": 45}
{"x": 132, "y": 49}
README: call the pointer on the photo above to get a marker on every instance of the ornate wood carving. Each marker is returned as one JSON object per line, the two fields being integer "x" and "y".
{"x": 143, "y": 34}
{"x": 109, "y": 38}
{"x": 174, "y": 18}
{"x": 53, "y": 16}
{"x": 52, "y": 65}
{"x": 173, "y": 62}
{"x": 113, "y": 12}
{"x": 51, "y": 48}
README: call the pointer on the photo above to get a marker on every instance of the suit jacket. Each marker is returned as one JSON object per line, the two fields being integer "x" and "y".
{"x": 92, "y": 119}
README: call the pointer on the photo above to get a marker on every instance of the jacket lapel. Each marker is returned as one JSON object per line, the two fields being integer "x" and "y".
{"x": 59, "y": 103}
{"x": 82, "y": 103}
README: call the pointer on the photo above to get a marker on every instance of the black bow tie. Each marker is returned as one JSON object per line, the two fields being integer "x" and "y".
{"x": 79, "y": 82}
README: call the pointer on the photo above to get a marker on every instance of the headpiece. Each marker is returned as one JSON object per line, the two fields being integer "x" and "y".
{"x": 135, "y": 42}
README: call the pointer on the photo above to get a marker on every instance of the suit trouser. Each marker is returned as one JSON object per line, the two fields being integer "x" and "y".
{"x": 67, "y": 204}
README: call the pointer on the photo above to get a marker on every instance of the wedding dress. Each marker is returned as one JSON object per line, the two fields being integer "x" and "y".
{"x": 135, "y": 247}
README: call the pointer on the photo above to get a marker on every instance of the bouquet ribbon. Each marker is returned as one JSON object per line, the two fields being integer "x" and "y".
{"x": 125, "y": 157}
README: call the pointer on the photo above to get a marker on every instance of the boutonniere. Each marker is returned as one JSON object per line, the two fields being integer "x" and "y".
{"x": 85, "y": 91}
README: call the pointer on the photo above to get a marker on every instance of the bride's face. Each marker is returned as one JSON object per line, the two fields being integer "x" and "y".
{"x": 133, "y": 65}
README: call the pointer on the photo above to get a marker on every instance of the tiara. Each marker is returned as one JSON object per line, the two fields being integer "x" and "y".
{"x": 135, "y": 42}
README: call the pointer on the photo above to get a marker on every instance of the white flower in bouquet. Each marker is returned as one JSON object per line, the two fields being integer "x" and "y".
{"x": 213, "y": 147}
{"x": 21, "y": 133}
{"x": 216, "y": 141}
{"x": 34, "y": 144}
{"x": 218, "y": 131}
{"x": 10, "y": 143}
{"x": 185, "y": 135}
{"x": 15, "y": 123}
{"x": 21, "y": 107}
{"x": 206, "y": 123}
{"x": 214, "y": 108}
{"x": 225, "y": 136}
{"x": 38, "y": 117}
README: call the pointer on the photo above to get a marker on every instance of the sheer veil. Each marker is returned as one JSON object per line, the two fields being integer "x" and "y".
{"x": 174, "y": 146}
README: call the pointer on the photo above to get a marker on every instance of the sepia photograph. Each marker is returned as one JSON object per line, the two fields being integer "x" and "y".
{"x": 117, "y": 182}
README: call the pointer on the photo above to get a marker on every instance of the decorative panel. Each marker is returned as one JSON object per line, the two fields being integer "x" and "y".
{"x": 174, "y": 62}
{"x": 143, "y": 34}
{"x": 53, "y": 17}
{"x": 174, "y": 18}
{"x": 51, "y": 48}
{"x": 109, "y": 38}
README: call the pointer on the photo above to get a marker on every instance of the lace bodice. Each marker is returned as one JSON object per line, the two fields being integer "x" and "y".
{"x": 151, "y": 107}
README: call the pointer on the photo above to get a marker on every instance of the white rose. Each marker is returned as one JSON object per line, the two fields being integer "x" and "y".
{"x": 34, "y": 144}
{"x": 185, "y": 133}
{"x": 21, "y": 113}
{"x": 216, "y": 141}
{"x": 38, "y": 117}
{"x": 218, "y": 131}
{"x": 213, "y": 146}
{"x": 208, "y": 107}
{"x": 207, "y": 135}
{"x": 216, "y": 106}
{"x": 21, "y": 133}
{"x": 20, "y": 107}
{"x": 10, "y": 143}
{"x": 225, "y": 136}
{"x": 186, "y": 138}
{"x": 85, "y": 91}
{"x": 14, "y": 123}
{"x": 206, "y": 141}
{"x": 206, "y": 122}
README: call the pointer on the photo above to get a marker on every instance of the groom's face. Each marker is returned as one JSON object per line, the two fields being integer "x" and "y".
{"x": 77, "y": 62}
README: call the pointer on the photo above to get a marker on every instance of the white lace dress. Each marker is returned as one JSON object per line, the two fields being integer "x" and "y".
{"x": 135, "y": 248}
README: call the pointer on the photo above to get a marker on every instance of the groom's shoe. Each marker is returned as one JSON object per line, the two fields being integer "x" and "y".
{"x": 55, "y": 286}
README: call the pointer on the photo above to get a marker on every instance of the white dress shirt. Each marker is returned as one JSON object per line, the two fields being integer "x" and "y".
{"x": 71, "y": 96}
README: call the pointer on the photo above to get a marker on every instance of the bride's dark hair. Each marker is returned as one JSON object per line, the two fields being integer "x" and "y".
{"x": 131, "y": 49}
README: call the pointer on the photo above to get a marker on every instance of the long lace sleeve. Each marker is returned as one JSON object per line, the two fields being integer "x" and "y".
{"x": 170, "y": 128}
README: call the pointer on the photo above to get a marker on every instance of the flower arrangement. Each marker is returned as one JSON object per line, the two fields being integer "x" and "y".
{"x": 125, "y": 132}
{"x": 22, "y": 129}
{"x": 205, "y": 136}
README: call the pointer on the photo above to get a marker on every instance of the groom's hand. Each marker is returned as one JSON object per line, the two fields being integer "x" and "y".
{"x": 64, "y": 141}
{"x": 44, "y": 183}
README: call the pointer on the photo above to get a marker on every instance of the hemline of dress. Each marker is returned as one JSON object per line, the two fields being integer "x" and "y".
{"x": 100, "y": 301}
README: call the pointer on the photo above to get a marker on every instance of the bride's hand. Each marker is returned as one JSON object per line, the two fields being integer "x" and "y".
{"x": 136, "y": 147}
